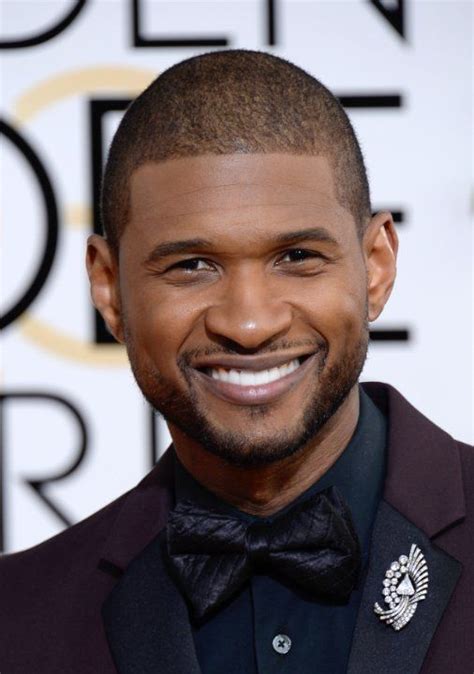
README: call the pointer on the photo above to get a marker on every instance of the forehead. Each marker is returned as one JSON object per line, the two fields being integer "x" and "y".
{"x": 237, "y": 195}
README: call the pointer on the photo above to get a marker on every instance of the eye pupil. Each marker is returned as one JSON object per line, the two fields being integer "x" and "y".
{"x": 192, "y": 265}
{"x": 299, "y": 254}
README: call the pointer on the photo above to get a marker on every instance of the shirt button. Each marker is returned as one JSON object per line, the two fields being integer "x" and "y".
{"x": 281, "y": 644}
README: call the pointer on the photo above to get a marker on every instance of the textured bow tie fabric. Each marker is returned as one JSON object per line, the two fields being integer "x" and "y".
{"x": 314, "y": 546}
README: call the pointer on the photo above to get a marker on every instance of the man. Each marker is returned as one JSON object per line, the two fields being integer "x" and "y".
{"x": 300, "y": 521}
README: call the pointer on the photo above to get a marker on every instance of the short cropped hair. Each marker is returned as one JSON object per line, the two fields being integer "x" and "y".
{"x": 233, "y": 101}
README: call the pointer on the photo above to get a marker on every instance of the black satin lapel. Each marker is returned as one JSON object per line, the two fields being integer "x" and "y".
{"x": 376, "y": 647}
{"x": 146, "y": 620}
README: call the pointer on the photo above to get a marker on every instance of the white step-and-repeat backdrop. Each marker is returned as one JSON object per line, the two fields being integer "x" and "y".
{"x": 75, "y": 430}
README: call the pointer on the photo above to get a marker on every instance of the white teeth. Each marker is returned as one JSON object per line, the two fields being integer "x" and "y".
{"x": 253, "y": 377}
{"x": 234, "y": 377}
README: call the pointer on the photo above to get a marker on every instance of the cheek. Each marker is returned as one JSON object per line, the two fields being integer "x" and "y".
{"x": 158, "y": 326}
{"x": 336, "y": 310}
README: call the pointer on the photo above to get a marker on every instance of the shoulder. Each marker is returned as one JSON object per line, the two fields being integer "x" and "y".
{"x": 69, "y": 568}
{"x": 466, "y": 454}
{"x": 51, "y": 596}
{"x": 430, "y": 474}
{"x": 64, "y": 554}
{"x": 407, "y": 423}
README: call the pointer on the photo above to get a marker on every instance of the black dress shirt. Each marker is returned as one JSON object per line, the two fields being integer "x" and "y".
{"x": 269, "y": 627}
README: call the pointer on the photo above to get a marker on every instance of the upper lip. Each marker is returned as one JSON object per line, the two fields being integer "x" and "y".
{"x": 264, "y": 362}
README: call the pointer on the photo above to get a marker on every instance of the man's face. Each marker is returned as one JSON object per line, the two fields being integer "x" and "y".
{"x": 243, "y": 299}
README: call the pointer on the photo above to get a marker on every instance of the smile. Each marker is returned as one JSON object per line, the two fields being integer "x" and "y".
{"x": 254, "y": 377}
{"x": 243, "y": 385}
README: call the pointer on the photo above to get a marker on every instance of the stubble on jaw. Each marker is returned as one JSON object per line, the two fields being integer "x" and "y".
{"x": 184, "y": 410}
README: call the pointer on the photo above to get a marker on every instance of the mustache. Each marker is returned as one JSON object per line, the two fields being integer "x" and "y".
{"x": 191, "y": 355}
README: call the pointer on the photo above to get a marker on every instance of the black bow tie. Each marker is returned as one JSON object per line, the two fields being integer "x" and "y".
{"x": 314, "y": 546}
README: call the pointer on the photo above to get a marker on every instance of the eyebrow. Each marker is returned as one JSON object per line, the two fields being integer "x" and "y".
{"x": 319, "y": 234}
{"x": 175, "y": 247}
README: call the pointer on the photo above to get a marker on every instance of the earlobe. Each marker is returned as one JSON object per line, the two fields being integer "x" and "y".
{"x": 380, "y": 250}
{"x": 102, "y": 269}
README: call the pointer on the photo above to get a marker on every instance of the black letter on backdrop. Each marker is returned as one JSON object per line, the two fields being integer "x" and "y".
{"x": 154, "y": 436}
{"x": 45, "y": 35}
{"x": 36, "y": 484}
{"x": 394, "y": 12}
{"x": 50, "y": 220}
{"x": 203, "y": 41}
{"x": 140, "y": 41}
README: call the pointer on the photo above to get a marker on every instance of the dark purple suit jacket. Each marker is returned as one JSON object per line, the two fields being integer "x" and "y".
{"x": 96, "y": 599}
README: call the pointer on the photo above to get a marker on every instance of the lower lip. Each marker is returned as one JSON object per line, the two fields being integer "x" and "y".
{"x": 254, "y": 395}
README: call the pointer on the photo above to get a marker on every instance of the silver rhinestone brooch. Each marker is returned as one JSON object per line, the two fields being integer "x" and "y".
{"x": 404, "y": 585}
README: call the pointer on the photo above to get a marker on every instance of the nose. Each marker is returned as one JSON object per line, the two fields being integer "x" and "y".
{"x": 249, "y": 313}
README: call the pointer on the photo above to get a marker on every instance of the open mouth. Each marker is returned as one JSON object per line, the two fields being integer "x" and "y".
{"x": 249, "y": 383}
{"x": 247, "y": 377}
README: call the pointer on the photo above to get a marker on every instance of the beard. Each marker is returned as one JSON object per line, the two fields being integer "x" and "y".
{"x": 259, "y": 444}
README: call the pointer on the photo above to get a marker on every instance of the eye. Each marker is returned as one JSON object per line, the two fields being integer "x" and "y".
{"x": 299, "y": 255}
{"x": 192, "y": 265}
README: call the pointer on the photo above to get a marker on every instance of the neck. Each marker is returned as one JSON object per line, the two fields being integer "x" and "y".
{"x": 264, "y": 490}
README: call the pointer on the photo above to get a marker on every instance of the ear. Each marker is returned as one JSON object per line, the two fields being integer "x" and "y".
{"x": 102, "y": 267}
{"x": 380, "y": 246}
